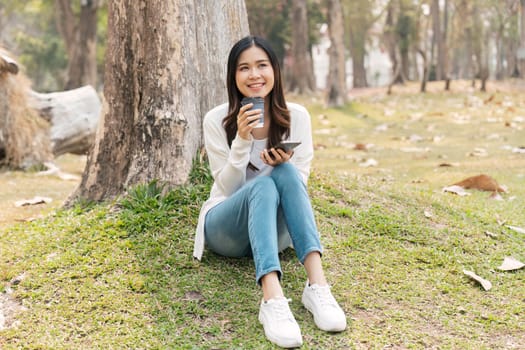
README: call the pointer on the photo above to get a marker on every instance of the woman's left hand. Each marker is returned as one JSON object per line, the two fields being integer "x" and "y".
{"x": 275, "y": 156}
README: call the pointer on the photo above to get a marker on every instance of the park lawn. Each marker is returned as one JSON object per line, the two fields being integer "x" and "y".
{"x": 120, "y": 275}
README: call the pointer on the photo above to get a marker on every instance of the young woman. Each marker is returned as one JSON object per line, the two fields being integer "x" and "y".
{"x": 259, "y": 204}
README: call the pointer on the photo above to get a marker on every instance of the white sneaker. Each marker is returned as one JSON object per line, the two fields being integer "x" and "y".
{"x": 328, "y": 315}
{"x": 279, "y": 324}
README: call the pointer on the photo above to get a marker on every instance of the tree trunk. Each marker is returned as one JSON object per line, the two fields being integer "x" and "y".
{"x": 438, "y": 41}
{"x": 358, "y": 51}
{"x": 391, "y": 42}
{"x": 424, "y": 79}
{"x": 336, "y": 82}
{"x": 301, "y": 77}
{"x": 80, "y": 40}
{"x": 165, "y": 69}
{"x": 521, "y": 57}
{"x": 444, "y": 57}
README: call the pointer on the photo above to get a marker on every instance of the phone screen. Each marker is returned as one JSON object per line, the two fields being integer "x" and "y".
{"x": 288, "y": 145}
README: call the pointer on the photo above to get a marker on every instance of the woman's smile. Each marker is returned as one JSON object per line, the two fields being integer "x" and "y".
{"x": 254, "y": 75}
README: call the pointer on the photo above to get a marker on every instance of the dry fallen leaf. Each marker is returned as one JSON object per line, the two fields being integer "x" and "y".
{"x": 509, "y": 264}
{"x": 35, "y": 200}
{"x": 481, "y": 182}
{"x": 362, "y": 146}
{"x": 517, "y": 229}
{"x": 484, "y": 283}
{"x": 371, "y": 162}
{"x": 460, "y": 191}
{"x": 415, "y": 149}
{"x": 382, "y": 127}
{"x": 478, "y": 152}
{"x": 491, "y": 234}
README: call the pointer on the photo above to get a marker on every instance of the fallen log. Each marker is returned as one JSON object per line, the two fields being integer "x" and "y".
{"x": 73, "y": 116}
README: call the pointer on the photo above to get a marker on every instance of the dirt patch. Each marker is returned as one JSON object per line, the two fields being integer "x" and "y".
{"x": 9, "y": 308}
{"x": 19, "y": 185}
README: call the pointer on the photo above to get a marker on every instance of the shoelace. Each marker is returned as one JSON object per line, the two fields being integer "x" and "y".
{"x": 325, "y": 297}
{"x": 281, "y": 309}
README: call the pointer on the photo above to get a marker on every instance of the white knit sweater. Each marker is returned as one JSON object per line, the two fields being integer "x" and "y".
{"x": 228, "y": 166}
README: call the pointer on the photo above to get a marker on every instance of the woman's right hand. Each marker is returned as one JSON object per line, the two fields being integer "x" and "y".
{"x": 246, "y": 120}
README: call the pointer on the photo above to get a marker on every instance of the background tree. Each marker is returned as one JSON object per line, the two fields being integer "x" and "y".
{"x": 165, "y": 69}
{"x": 391, "y": 40}
{"x": 299, "y": 67}
{"x": 521, "y": 56}
{"x": 80, "y": 37}
{"x": 438, "y": 40}
{"x": 28, "y": 30}
{"x": 359, "y": 19}
{"x": 336, "y": 81}
{"x": 270, "y": 20}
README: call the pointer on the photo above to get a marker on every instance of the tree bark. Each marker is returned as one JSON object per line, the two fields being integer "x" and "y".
{"x": 301, "y": 78}
{"x": 336, "y": 81}
{"x": 165, "y": 67}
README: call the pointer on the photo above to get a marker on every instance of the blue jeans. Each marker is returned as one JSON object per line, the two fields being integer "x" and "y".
{"x": 260, "y": 218}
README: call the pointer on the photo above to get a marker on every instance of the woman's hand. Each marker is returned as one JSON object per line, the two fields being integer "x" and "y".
{"x": 276, "y": 156}
{"x": 246, "y": 120}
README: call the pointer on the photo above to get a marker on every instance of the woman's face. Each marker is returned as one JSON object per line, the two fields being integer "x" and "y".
{"x": 254, "y": 73}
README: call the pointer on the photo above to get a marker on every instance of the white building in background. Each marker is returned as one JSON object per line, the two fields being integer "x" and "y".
{"x": 377, "y": 63}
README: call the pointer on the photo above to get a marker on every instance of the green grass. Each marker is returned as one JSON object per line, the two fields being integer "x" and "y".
{"x": 121, "y": 276}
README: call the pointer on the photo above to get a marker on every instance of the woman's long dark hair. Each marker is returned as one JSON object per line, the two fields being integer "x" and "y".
{"x": 279, "y": 114}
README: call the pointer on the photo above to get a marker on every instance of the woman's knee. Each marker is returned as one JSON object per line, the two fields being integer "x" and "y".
{"x": 264, "y": 187}
{"x": 286, "y": 173}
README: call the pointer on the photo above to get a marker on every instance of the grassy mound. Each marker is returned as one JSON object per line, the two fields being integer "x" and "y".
{"x": 121, "y": 275}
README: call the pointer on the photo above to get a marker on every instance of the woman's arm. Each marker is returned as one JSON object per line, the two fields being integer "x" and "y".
{"x": 228, "y": 166}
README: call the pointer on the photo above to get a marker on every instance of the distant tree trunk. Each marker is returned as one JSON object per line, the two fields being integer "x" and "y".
{"x": 301, "y": 78}
{"x": 358, "y": 50}
{"x": 438, "y": 40}
{"x": 391, "y": 42}
{"x": 405, "y": 29}
{"x": 522, "y": 40}
{"x": 80, "y": 40}
{"x": 336, "y": 82}
{"x": 445, "y": 48}
{"x": 424, "y": 79}
{"x": 166, "y": 68}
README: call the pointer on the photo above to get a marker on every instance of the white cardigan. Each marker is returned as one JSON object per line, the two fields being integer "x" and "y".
{"x": 228, "y": 166}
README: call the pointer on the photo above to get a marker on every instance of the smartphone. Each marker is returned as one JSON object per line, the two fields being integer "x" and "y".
{"x": 287, "y": 145}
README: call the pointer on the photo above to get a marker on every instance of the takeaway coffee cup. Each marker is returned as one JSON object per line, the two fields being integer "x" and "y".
{"x": 258, "y": 103}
